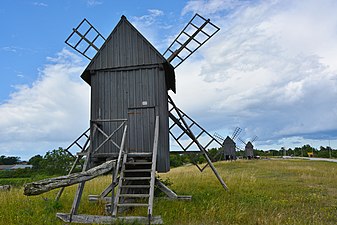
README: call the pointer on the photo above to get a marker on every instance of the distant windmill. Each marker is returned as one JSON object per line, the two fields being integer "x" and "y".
{"x": 249, "y": 147}
{"x": 228, "y": 150}
{"x": 130, "y": 114}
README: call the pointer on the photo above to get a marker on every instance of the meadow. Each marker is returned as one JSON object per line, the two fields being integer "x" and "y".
{"x": 261, "y": 192}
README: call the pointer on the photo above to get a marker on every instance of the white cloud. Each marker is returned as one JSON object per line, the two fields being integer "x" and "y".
{"x": 152, "y": 25}
{"x": 48, "y": 114}
{"x": 16, "y": 50}
{"x": 271, "y": 69}
{"x": 148, "y": 19}
{"x": 41, "y": 4}
{"x": 9, "y": 49}
{"x": 207, "y": 7}
{"x": 94, "y": 2}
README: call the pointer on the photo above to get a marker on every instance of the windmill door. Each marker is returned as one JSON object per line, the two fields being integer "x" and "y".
{"x": 141, "y": 123}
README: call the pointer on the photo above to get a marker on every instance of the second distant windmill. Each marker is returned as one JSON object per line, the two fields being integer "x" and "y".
{"x": 228, "y": 150}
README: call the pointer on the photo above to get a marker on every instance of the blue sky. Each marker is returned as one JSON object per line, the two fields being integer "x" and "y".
{"x": 271, "y": 69}
{"x": 35, "y": 30}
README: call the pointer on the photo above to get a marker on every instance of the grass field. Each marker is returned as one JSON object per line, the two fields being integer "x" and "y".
{"x": 261, "y": 192}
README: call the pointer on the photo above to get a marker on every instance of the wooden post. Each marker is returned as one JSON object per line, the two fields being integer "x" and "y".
{"x": 116, "y": 169}
{"x": 86, "y": 166}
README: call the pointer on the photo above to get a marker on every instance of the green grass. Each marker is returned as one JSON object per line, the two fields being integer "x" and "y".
{"x": 261, "y": 192}
{"x": 20, "y": 181}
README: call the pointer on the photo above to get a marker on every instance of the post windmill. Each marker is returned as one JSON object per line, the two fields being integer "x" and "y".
{"x": 228, "y": 150}
{"x": 130, "y": 114}
{"x": 249, "y": 147}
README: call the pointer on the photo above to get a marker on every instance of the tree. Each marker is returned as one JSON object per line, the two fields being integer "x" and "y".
{"x": 36, "y": 162}
{"x": 9, "y": 160}
{"x": 298, "y": 151}
{"x": 213, "y": 152}
{"x": 308, "y": 148}
{"x": 57, "y": 162}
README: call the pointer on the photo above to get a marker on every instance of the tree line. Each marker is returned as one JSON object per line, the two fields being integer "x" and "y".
{"x": 215, "y": 154}
{"x": 55, "y": 162}
{"x": 59, "y": 162}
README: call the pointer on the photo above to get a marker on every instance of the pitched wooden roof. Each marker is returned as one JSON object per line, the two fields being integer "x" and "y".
{"x": 229, "y": 141}
{"x": 126, "y": 47}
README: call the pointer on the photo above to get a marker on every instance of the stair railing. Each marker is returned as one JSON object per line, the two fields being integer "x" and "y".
{"x": 154, "y": 165}
{"x": 118, "y": 164}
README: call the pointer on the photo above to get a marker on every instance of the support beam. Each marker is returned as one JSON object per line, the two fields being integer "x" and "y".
{"x": 95, "y": 219}
{"x": 188, "y": 131}
{"x": 166, "y": 190}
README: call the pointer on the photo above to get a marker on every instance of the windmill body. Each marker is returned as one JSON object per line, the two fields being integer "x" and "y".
{"x": 249, "y": 150}
{"x": 229, "y": 149}
{"x": 129, "y": 79}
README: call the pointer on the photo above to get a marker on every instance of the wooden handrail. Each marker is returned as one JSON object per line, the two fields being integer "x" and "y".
{"x": 154, "y": 165}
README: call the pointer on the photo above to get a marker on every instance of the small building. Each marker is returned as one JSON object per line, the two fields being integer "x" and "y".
{"x": 15, "y": 167}
{"x": 130, "y": 79}
{"x": 229, "y": 147}
{"x": 6, "y": 167}
{"x": 249, "y": 150}
{"x": 22, "y": 166}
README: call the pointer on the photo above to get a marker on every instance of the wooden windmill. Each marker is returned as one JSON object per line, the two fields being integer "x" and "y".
{"x": 132, "y": 114}
{"x": 228, "y": 150}
{"x": 249, "y": 147}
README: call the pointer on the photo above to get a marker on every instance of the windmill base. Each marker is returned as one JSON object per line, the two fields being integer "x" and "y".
{"x": 95, "y": 219}
{"x": 100, "y": 219}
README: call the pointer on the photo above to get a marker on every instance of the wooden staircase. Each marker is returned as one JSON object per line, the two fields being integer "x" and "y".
{"x": 137, "y": 179}
{"x": 136, "y": 183}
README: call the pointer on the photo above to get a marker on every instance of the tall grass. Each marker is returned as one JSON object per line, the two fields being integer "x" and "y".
{"x": 261, "y": 192}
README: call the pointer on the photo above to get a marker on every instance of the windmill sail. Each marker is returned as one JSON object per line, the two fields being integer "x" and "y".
{"x": 243, "y": 142}
{"x": 255, "y": 139}
{"x": 85, "y": 39}
{"x": 196, "y": 33}
{"x": 219, "y": 137}
{"x": 236, "y": 133}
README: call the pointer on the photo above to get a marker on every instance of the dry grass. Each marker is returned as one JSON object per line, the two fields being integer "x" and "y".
{"x": 261, "y": 192}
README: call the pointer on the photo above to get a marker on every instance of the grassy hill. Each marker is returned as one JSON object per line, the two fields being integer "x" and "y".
{"x": 261, "y": 192}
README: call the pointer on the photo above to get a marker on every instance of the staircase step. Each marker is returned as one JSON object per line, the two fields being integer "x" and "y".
{"x": 136, "y": 178}
{"x": 135, "y": 195}
{"x": 135, "y": 186}
{"x": 137, "y": 170}
{"x": 133, "y": 204}
{"x": 138, "y": 163}
{"x": 140, "y": 155}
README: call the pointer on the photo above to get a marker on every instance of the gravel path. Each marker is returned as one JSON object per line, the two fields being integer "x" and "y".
{"x": 316, "y": 159}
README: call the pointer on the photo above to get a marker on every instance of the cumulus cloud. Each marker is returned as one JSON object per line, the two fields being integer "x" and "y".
{"x": 49, "y": 113}
{"x": 152, "y": 25}
{"x": 271, "y": 69}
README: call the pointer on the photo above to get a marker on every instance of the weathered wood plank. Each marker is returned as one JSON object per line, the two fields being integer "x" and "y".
{"x": 94, "y": 219}
{"x": 42, "y": 186}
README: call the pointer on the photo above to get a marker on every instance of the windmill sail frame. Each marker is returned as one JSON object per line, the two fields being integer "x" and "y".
{"x": 84, "y": 37}
{"x": 192, "y": 42}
